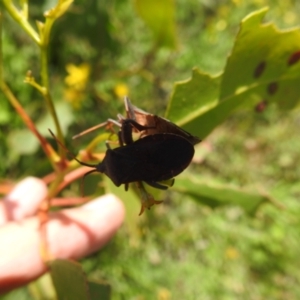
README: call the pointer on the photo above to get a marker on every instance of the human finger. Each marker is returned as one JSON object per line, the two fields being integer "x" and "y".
{"x": 23, "y": 201}
{"x": 71, "y": 233}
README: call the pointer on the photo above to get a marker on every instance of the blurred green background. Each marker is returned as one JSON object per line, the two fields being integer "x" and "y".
{"x": 102, "y": 50}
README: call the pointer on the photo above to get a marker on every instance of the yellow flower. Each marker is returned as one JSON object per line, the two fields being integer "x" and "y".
{"x": 78, "y": 75}
{"x": 74, "y": 97}
{"x": 76, "y": 82}
{"x": 164, "y": 294}
{"x": 231, "y": 253}
{"x": 121, "y": 90}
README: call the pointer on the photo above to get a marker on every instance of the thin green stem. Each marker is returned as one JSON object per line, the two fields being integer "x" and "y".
{"x": 47, "y": 30}
{"x": 43, "y": 42}
{"x": 45, "y": 37}
{"x": 18, "y": 107}
{"x": 1, "y": 54}
{"x": 31, "y": 80}
{"x": 47, "y": 95}
{"x": 54, "y": 186}
{"x": 24, "y": 4}
{"x": 21, "y": 19}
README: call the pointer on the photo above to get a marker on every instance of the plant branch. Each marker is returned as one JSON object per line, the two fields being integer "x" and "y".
{"x": 21, "y": 18}
{"x": 49, "y": 151}
{"x": 45, "y": 30}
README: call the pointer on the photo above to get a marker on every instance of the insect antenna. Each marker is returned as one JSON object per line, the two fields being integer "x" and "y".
{"x": 89, "y": 130}
{"x": 72, "y": 155}
{"x": 109, "y": 124}
{"x": 94, "y": 166}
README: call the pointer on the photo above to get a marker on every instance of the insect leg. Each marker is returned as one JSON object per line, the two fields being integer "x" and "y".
{"x": 126, "y": 130}
{"x": 157, "y": 185}
{"x": 109, "y": 123}
{"x": 129, "y": 109}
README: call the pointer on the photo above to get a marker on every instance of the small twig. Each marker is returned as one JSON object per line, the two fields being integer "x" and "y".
{"x": 21, "y": 18}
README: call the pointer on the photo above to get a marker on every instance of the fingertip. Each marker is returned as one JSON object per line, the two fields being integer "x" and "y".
{"x": 109, "y": 201}
{"x": 23, "y": 201}
{"x": 70, "y": 233}
{"x": 77, "y": 232}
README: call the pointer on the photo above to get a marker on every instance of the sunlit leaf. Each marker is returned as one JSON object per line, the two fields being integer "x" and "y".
{"x": 263, "y": 67}
{"x": 193, "y": 97}
{"x": 264, "y": 61}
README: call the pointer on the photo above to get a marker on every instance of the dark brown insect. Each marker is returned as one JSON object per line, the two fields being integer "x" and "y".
{"x": 138, "y": 160}
{"x": 152, "y": 159}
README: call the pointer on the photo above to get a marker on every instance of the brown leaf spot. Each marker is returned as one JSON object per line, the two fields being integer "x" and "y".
{"x": 261, "y": 106}
{"x": 259, "y": 69}
{"x": 294, "y": 58}
{"x": 272, "y": 88}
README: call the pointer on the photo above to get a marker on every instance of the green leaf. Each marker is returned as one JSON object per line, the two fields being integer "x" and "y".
{"x": 22, "y": 142}
{"x": 264, "y": 67}
{"x": 214, "y": 195}
{"x": 99, "y": 290}
{"x": 64, "y": 114}
{"x": 159, "y": 16}
{"x": 69, "y": 280}
{"x": 264, "y": 61}
{"x": 191, "y": 98}
{"x": 204, "y": 124}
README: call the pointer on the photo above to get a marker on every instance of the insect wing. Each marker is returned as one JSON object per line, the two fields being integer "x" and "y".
{"x": 158, "y": 124}
{"x": 118, "y": 164}
{"x": 170, "y": 154}
{"x": 152, "y": 158}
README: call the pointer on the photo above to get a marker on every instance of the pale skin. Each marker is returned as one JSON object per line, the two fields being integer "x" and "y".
{"x": 71, "y": 233}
